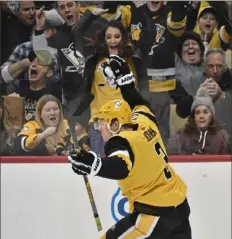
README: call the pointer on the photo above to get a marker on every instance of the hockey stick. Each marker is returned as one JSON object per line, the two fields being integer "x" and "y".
{"x": 84, "y": 105}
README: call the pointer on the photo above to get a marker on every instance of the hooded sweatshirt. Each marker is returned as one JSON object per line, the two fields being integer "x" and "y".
{"x": 198, "y": 142}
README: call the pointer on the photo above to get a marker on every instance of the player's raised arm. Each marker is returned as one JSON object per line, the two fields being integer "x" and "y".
{"x": 125, "y": 80}
{"x": 111, "y": 119}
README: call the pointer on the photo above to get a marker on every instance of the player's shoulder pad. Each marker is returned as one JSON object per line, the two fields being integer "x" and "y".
{"x": 118, "y": 143}
{"x": 141, "y": 108}
{"x": 145, "y": 111}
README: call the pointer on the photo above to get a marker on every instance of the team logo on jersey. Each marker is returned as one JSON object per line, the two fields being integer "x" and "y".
{"x": 159, "y": 39}
{"x": 25, "y": 128}
{"x": 117, "y": 104}
{"x": 30, "y": 108}
{"x": 74, "y": 57}
{"x": 119, "y": 206}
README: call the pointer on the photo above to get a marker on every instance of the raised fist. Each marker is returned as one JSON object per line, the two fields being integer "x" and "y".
{"x": 49, "y": 131}
{"x": 121, "y": 70}
{"x": 117, "y": 71}
{"x": 108, "y": 73}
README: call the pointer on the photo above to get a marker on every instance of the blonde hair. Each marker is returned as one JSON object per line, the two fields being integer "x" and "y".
{"x": 52, "y": 141}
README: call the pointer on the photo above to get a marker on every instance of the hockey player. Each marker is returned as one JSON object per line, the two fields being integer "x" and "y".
{"x": 136, "y": 157}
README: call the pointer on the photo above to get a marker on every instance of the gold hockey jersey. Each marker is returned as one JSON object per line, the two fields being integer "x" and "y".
{"x": 151, "y": 181}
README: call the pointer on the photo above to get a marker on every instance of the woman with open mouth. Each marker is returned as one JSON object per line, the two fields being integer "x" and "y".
{"x": 111, "y": 40}
{"x": 48, "y": 134}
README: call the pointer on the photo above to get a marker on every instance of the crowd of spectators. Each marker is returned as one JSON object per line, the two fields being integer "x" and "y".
{"x": 51, "y": 53}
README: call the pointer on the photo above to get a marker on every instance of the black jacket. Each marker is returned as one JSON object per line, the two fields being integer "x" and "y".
{"x": 226, "y": 83}
{"x": 70, "y": 43}
{"x": 13, "y": 33}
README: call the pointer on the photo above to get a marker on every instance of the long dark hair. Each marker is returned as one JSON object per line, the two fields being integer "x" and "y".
{"x": 99, "y": 47}
{"x": 191, "y": 127}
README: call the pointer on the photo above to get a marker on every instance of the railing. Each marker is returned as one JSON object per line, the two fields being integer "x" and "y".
{"x": 172, "y": 159}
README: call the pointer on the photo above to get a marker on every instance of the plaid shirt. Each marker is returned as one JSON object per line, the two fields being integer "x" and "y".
{"x": 21, "y": 52}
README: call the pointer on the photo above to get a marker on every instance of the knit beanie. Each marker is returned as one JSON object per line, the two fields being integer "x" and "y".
{"x": 193, "y": 36}
{"x": 203, "y": 98}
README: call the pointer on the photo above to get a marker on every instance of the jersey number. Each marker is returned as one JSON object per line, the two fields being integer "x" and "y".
{"x": 160, "y": 152}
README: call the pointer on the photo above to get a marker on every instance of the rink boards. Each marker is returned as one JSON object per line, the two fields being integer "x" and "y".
{"x": 47, "y": 200}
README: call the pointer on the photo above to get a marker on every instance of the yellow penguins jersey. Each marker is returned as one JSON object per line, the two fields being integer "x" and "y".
{"x": 102, "y": 90}
{"x": 28, "y": 143}
{"x": 151, "y": 180}
{"x": 29, "y": 132}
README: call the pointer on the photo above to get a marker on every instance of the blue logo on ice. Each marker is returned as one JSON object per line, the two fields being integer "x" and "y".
{"x": 119, "y": 206}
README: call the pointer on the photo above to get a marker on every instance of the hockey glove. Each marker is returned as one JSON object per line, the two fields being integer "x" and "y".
{"x": 108, "y": 73}
{"x": 117, "y": 71}
{"x": 85, "y": 163}
{"x": 121, "y": 70}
